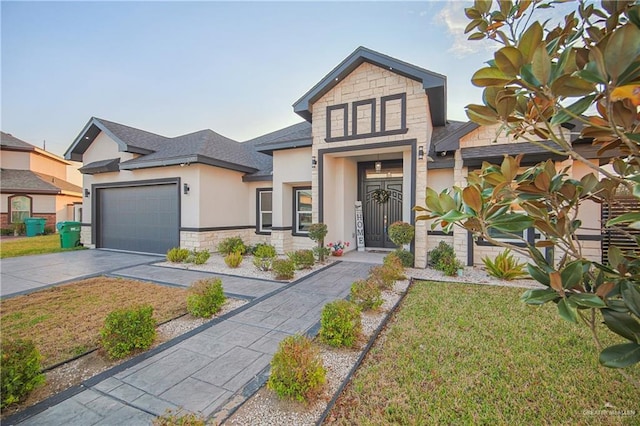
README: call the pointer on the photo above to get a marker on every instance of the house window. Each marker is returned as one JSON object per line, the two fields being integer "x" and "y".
{"x": 302, "y": 210}
{"x": 20, "y": 206}
{"x": 264, "y": 220}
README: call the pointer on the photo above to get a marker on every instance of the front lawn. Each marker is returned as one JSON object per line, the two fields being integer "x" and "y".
{"x": 65, "y": 321}
{"x": 32, "y": 245}
{"x": 468, "y": 354}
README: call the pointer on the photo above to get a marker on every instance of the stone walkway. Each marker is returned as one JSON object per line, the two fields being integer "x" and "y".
{"x": 214, "y": 367}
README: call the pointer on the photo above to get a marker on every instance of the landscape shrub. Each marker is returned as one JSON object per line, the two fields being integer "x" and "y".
{"x": 6, "y": 231}
{"x": 443, "y": 250}
{"x": 406, "y": 257}
{"x": 302, "y": 259}
{"x": 233, "y": 260}
{"x": 178, "y": 418}
{"x": 317, "y": 232}
{"x": 394, "y": 265}
{"x": 205, "y": 298}
{"x": 232, "y": 245}
{"x": 449, "y": 265}
{"x": 505, "y": 266}
{"x": 366, "y": 295}
{"x": 126, "y": 330}
{"x": 177, "y": 255}
{"x": 340, "y": 323}
{"x": 263, "y": 256}
{"x": 401, "y": 233}
{"x": 20, "y": 372}
{"x": 383, "y": 276}
{"x": 283, "y": 269}
{"x": 200, "y": 257}
{"x": 296, "y": 369}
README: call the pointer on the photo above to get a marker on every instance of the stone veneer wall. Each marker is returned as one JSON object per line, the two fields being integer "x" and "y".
{"x": 366, "y": 82}
{"x": 210, "y": 239}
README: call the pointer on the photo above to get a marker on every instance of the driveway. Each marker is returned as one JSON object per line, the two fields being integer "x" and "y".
{"x": 19, "y": 275}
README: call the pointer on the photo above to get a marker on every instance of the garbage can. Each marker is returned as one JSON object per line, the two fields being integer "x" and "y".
{"x": 35, "y": 226}
{"x": 69, "y": 234}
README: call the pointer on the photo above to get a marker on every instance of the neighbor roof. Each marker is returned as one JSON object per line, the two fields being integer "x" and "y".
{"x": 27, "y": 181}
{"x": 435, "y": 85}
{"x": 205, "y": 146}
{"x": 11, "y": 143}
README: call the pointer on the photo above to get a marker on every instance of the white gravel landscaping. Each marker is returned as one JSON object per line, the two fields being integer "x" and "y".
{"x": 470, "y": 275}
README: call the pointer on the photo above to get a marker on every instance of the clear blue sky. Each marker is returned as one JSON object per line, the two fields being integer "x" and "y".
{"x": 178, "y": 67}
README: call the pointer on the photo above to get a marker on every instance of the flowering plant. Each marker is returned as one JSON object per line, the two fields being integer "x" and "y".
{"x": 338, "y": 245}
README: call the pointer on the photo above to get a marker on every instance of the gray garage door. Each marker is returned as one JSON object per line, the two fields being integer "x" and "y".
{"x": 138, "y": 218}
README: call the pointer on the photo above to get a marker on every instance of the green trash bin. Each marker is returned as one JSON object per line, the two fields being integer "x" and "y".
{"x": 34, "y": 226}
{"x": 69, "y": 234}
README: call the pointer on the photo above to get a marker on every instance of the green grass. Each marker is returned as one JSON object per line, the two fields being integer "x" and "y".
{"x": 466, "y": 354}
{"x": 32, "y": 245}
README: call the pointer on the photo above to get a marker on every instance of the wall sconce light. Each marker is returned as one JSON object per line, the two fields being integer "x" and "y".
{"x": 378, "y": 166}
{"x": 420, "y": 152}
{"x": 314, "y": 162}
{"x": 186, "y": 189}
{"x": 86, "y": 193}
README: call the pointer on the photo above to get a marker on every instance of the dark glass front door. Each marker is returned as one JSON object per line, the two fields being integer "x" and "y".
{"x": 381, "y": 195}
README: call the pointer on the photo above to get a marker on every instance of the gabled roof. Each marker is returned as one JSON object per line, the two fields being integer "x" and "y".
{"x": 102, "y": 166}
{"x": 205, "y": 146}
{"x": 11, "y": 143}
{"x": 435, "y": 85}
{"x": 27, "y": 181}
{"x": 447, "y": 138}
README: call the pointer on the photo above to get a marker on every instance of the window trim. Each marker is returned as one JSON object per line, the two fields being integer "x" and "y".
{"x": 259, "y": 211}
{"x": 10, "y": 199}
{"x": 295, "y": 211}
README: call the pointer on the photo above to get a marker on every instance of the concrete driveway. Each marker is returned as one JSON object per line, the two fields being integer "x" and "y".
{"x": 20, "y": 275}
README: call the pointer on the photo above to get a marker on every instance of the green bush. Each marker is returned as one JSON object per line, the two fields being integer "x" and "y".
{"x": 21, "y": 365}
{"x": 200, "y": 257}
{"x": 317, "y": 232}
{"x": 177, "y": 255}
{"x": 296, "y": 369}
{"x": 302, "y": 259}
{"x": 401, "y": 233}
{"x": 443, "y": 250}
{"x": 205, "y": 298}
{"x": 383, "y": 276}
{"x": 504, "y": 266}
{"x": 449, "y": 265}
{"x": 232, "y": 245}
{"x": 233, "y": 260}
{"x": 393, "y": 264}
{"x": 126, "y": 330}
{"x": 340, "y": 323}
{"x": 283, "y": 269}
{"x": 263, "y": 256}
{"x": 406, "y": 257}
{"x": 366, "y": 295}
{"x": 177, "y": 418}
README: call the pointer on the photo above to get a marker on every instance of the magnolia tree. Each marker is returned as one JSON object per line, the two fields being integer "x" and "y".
{"x": 585, "y": 69}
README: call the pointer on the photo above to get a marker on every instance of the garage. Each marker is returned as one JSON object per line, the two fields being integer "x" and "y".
{"x": 143, "y": 218}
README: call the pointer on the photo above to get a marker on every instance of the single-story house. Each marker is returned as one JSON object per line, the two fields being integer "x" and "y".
{"x": 375, "y": 134}
{"x": 36, "y": 183}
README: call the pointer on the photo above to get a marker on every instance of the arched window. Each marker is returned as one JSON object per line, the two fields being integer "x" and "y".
{"x": 19, "y": 208}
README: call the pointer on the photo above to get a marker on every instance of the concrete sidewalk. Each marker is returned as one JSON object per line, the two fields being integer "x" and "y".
{"x": 216, "y": 366}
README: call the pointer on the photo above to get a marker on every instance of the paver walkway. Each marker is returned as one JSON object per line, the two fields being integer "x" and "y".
{"x": 217, "y": 366}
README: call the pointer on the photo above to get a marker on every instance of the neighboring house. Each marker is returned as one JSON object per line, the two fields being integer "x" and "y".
{"x": 375, "y": 132}
{"x": 36, "y": 183}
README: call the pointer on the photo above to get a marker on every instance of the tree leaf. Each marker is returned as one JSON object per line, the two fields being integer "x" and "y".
{"x": 509, "y": 60}
{"x": 588, "y": 300}
{"x": 622, "y": 324}
{"x": 615, "y": 257}
{"x": 482, "y": 115}
{"x": 620, "y": 356}
{"x": 539, "y": 296}
{"x": 490, "y": 76}
{"x": 538, "y": 275}
{"x": 454, "y": 216}
{"x": 530, "y": 40}
{"x": 505, "y": 103}
{"x": 473, "y": 198}
{"x": 631, "y": 295}
{"x": 541, "y": 65}
{"x": 572, "y": 274}
{"x": 621, "y": 50}
{"x": 572, "y": 86}
{"x": 556, "y": 281}
{"x": 624, "y": 218}
{"x": 567, "y": 311}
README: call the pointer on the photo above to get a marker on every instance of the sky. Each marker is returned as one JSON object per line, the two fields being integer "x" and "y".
{"x": 234, "y": 67}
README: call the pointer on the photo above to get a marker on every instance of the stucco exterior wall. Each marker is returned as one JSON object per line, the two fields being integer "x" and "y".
{"x": 15, "y": 160}
{"x": 47, "y": 165}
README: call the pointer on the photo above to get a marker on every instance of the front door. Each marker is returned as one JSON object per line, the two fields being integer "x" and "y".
{"x": 381, "y": 195}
